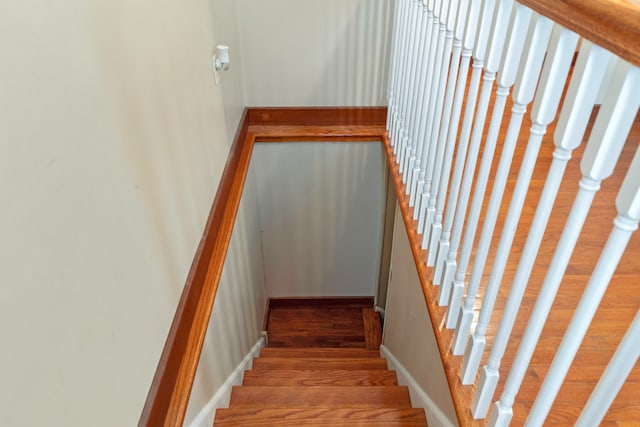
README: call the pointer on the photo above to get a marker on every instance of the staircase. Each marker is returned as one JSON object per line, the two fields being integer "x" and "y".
{"x": 322, "y": 367}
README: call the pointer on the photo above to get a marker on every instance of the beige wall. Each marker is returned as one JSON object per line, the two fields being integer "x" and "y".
{"x": 408, "y": 332}
{"x": 322, "y": 231}
{"x": 113, "y": 137}
{"x": 315, "y": 52}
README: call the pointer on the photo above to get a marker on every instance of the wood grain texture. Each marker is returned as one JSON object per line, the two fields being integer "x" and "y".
{"x": 318, "y": 116}
{"x": 341, "y": 133}
{"x": 316, "y": 326}
{"x": 319, "y": 363}
{"x": 316, "y": 385}
{"x": 612, "y": 24}
{"x": 321, "y": 417}
{"x": 306, "y": 377}
{"x": 372, "y": 328}
{"x": 328, "y": 396}
{"x": 321, "y": 302}
{"x": 318, "y": 352}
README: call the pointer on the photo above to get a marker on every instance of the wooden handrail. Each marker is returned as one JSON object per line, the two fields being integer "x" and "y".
{"x": 167, "y": 399}
{"x": 612, "y": 24}
{"x": 168, "y": 396}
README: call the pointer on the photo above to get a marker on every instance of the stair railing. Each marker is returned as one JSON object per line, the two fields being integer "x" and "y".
{"x": 530, "y": 48}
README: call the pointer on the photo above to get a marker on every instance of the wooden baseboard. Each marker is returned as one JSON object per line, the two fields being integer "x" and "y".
{"x": 321, "y": 302}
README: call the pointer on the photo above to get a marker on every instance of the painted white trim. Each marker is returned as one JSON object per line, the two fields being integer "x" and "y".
{"x": 220, "y": 399}
{"x": 419, "y": 398}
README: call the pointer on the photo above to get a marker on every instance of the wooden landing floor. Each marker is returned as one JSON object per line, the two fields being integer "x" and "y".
{"x": 619, "y": 306}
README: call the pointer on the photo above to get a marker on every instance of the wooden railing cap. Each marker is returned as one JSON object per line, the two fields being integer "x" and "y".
{"x": 612, "y": 24}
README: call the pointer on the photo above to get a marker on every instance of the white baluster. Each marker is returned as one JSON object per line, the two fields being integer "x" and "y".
{"x": 612, "y": 124}
{"x": 500, "y": 25}
{"x": 406, "y": 55}
{"x": 424, "y": 96}
{"x": 507, "y": 77}
{"x": 528, "y": 75}
{"x": 433, "y": 125}
{"x": 393, "y": 68}
{"x": 419, "y": 101}
{"x": 408, "y": 85}
{"x": 426, "y": 148}
{"x": 414, "y": 91}
{"x": 392, "y": 64}
{"x": 581, "y": 96}
{"x": 438, "y": 131}
{"x": 415, "y": 177}
{"x": 554, "y": 76}
{"x": 472, "y": 157}
{"x": 613, "y": 377}
{"x": 452, "y": 115}
{"x": 463, "y": 141}
{"x": 402, "y": 56}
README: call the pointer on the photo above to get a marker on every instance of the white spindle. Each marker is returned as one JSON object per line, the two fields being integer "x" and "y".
{"x": 419, "y": 162}
{"x": 465, "y": 133}
{"x": 613, "y": 124}
{"x": 433, "y": 125}
{"x": 439, "y": 129}
{"x": 434, "y": 59}
{"x": 409, "y": 80}
{"x": 416, "y": 100}
{"x": 500, "y": 25}
{"x": 452, "y": 116}
{"x": 398, "y": 131}
{"x": 400, "y": 68}
{"x": 397, "y": 10}
{"x": 581, "y": 96}
{"x": 472, "y": 157}
{"x": 528, "y": 75}
{"x": 613, "y": 377}
{"x": 579, "y": 101}
{"x": 554, "y": 76}
{"x": 506, "y": 79}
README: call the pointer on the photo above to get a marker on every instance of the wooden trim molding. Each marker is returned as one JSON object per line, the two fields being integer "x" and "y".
{"x": 612, "y": 24}
{"x": 171, "y": 386}
{"x": 168, "y": 396}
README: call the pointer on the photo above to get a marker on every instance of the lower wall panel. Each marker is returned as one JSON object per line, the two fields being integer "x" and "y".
{"x": 408, "y": 332}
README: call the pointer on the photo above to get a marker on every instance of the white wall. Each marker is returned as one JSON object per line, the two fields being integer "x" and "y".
{"x": 321, "y": 230}
{"x": 113, "y": 137}
{"x": 408, "y": 332}
{"x": 310, "y": 52}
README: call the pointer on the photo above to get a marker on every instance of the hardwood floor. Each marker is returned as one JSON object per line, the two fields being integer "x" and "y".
{"x": 618, "y": 307}
{"x": 322, "y": 368}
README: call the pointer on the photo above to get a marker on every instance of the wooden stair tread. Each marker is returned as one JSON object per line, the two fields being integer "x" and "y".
{"x": 281, "y": 377}
{"x": 372, "y": 328}
{"x": 311, "y": 396}
{"x": 317, "y": 326}
{"x": 326, "y": 363}
{"x": 315, "y": 340}
{"x": 318, "y": 352}
{"x": 376, "y": 417}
